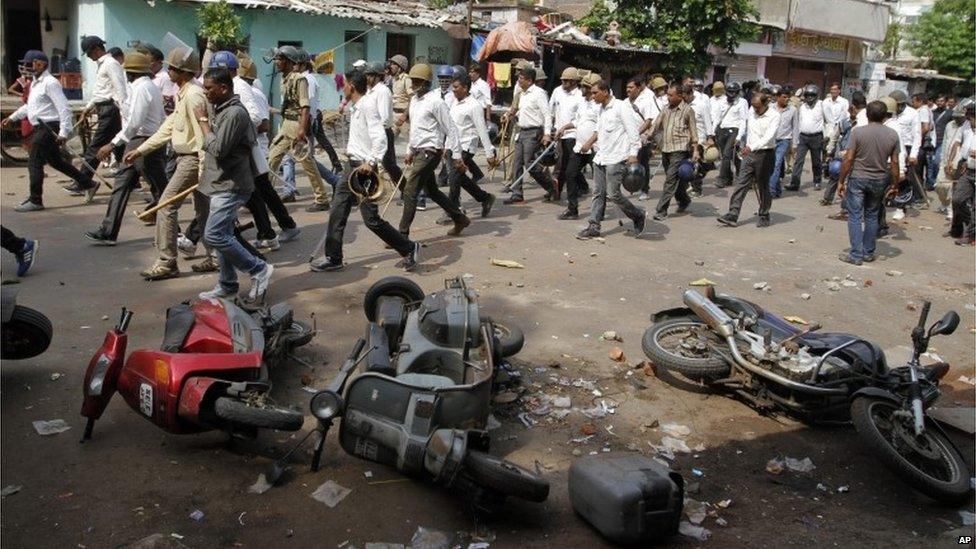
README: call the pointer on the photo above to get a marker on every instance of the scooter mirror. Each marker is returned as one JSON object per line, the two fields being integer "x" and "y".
{"x": 326, "y": 405}
{"x": 946, "y": 326}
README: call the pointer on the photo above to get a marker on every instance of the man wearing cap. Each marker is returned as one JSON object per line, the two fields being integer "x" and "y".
{"x": 584, "y": 125}
{"x": 143, "y": 118}
{"x": 729, "y": 114}
{"x": 396, "y": 67}
{"x": 381, "y": 99}
{"x": 652, "y": 101}
{"x": 565, "y": 102}
{"x": 108, "y": 95}
{"x": 809, "y": 136}
{"x": 468, "y": 116}
{"x": 758, "y": 157}
{"x": 910, "y": 131}
{"x": 182, "y": 132}
{"x": 679, "y": 130}
{"x": 296, "y": 122}
{"x": 534, "y": 130}
{"x": 47, "y": 110}
{"x": 431, "y": 132}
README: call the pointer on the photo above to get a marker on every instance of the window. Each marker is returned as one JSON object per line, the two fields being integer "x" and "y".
{"x": 401, "y": 44}
{"x": 355, "y": 48}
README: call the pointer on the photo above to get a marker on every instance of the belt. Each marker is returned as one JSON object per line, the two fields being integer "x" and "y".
{"x": 292, "y": 117}
{"x": 530, "y": 129}
{"x": 428, "y": 150}
{"x": 105, "y": 103}
{"x": 399, "y": 111}
{"x": 811, "y": 134}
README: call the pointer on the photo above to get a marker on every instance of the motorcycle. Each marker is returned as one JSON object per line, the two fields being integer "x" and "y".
{"x": 734, "y": 345}
{"x": 26, "y": 332}
{"x": 211, "y": 371}
{"x": 423, "y": 401}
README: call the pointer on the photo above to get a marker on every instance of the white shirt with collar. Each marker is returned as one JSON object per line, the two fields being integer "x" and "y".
{"x": 46, "y": 103}
{"x": 165, "y": 84}
{"x": 862, "y": 118}
{"x": 892, "y": 123}
{"x": 431, "y": 126}
{"x": 313, "y": 94}
{"x": 533, "y": 109}
{"x": 761, "y": 129}
{"x": 481, "y": 91}
{"x": 730, "y": 115}
{"x": 967, "y": 142}
{"x": 811, "y": 119}
{"x": 264, "y": 111}
{"x": 835, "y": 109}
{"x": 585, "y": 122}
{"x": 617, "y": 133}
{"x": 448, "y": 97}
{"x": 703, "y": 116}
{"x": 367, "y": 139}
{"x": 468, "y": 115}
{"x": 645, "y": 105}
{"x": 910, "y": 130}
{"x": 110, "y": 82}
{"x": 245, "y": 93}
{"x": 382, "y": 99}
{"x": 144, "y": 111}
{"x": 564, "y": 107}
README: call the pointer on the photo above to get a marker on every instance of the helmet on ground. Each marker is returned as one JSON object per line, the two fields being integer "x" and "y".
{"x": 686, "y": 170}
{"x": 375, "y": 68}
{"x": 290, "y": 53}
{"x": 400, "y": 61}
{"x": 224, "y": 60}
{"x": 183, "y": 59}
{"x": 633, "y": 178}
{"x": 833, "y": 168}
{"x": 590, "y": 79}
{"x": 712, "y": 154}
{"x": 492, "y": 132}
{"x": 548, "y": 156}
{"x": 899, "y": 96}
{"x": 570, "y": 73}
{"x": 891, "y": 104}
{"x": 657, "y": 82}
{"x": 443, "y": 71}
{"x": 905, "y": 195}
{"x": 136, "y": 62}
{"x": 421, "y": 71}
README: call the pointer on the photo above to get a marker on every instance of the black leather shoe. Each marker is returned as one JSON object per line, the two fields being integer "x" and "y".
{"x": 513, "y": 200}
{"x": 569, "y": 214}
{"x": 763, "y": 222}
{"x": 728, "y": 220}
{"x": 487, "y": 204}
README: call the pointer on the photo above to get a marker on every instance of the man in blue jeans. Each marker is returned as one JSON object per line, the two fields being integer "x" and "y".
{"x": 871, "y": 158}
{"x": 784, "y": 137}
{"x": 228, "y": 180}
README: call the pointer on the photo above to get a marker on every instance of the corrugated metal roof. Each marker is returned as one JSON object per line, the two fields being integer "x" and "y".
{"x": 924, "y": 74}
{"x": 377, "y": 12}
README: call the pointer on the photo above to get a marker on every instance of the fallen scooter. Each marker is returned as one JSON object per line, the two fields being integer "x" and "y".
{"x": 423, "y": 401}
{"x": 731, "y": 344}
{"x": 211, "y": 371}
{"x": 26, "y": 332}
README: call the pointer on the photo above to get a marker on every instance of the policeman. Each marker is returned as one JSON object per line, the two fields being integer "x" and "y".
{"x": 382, "y": 100}
{"x": 809, "y": 136}
{"x": 396, "y": 67}
{"x": 534, "y": 128}
{"x": 296, "y": 122}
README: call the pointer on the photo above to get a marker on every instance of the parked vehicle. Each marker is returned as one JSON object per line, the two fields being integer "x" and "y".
{"x": 422, "y": 402}
{"x": 26, "y": 332}
{"x": 731, "y": 344}
{"x": 211, "y": 371}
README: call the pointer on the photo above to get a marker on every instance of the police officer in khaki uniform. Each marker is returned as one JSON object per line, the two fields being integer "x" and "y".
{"x": 397, "y": 67}
{"x": 297, "y": 122}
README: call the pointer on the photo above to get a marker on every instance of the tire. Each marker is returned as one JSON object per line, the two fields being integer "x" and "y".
{"x": 391, "y": 286}
{"x": 509, "y": 339}
{"x": 504, "y": 477}
{"x": 953, "y": 489}
{"x": 297, "y": 334}
{"x": 12, "y": 150}
{"x": 239, "y": 413}
{"x": 701, "y": 368}
{"x": 26, "y": 335}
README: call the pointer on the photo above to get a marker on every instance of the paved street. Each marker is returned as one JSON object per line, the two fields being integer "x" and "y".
{"x": 132, "y": 480}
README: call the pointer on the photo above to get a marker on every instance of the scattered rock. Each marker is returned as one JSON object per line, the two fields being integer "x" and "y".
{"x": 507, "y": 263}
{"x": 617, "y": 354}
{"x": 805, "y": 296}
{"x": 260, "y": 486}
{"x": 588, "y": 429}
{"x": 760, "y": 285}
{"x": 848, "y": 283}
{"x": 51, "y": 427}
{"x": 611, "y": 335}
{"x": 56, "y": 376}
{"x": 893, "y": 273}
{"x": 833, "y": 286}
{"x": 868, "y": 283}
{"x": 197, "y": 516}
{"x": 702, "y": 282}
{"x": 699, "y": 263}
{"x": 562, "y": 402}
{"x": 676, "y": 430}
{"x": 10, "y": 490}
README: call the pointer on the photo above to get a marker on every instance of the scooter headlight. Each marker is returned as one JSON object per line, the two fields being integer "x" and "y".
{"x": 98, "y": 375}
{"x": 326, "y": 405}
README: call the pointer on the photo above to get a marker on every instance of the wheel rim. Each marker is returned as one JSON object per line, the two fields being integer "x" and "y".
{"x": 684, "y": 340}
{"x": 500, "y": 331}
{"x": 925, "y": 453}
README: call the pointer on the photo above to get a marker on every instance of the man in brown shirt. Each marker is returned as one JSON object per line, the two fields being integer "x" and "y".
{"x": 679, "y": 142}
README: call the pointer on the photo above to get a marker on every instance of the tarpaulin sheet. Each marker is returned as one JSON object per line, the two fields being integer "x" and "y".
{"x": 477, "y": 42}
{"x": 514, "y": 39}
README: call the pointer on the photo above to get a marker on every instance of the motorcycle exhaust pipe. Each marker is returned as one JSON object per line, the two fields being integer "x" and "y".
{"x": 712, "y": 314}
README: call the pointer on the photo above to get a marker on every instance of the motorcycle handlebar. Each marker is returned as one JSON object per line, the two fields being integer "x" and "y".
{"x": 926, "y": 305}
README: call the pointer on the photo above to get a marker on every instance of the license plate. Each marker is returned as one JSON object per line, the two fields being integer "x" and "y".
{"x": 146, "y": 399}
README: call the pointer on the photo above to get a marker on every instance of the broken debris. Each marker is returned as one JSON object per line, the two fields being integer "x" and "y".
{"x": 330, "y": 493}
{"x": 507, "y": 263}
{"x": 51, "y": 427}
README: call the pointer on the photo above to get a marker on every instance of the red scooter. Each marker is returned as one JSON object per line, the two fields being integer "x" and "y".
{"x": 211, "y": 371}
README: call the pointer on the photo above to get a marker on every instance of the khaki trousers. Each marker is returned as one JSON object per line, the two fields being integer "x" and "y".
{"x": 282, "y": 145}
{"x": 186, "y": 175}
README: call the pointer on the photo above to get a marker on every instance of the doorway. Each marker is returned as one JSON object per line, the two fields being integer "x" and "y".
{"x": 401, "y": 44}
{"x": 22, "y": 32}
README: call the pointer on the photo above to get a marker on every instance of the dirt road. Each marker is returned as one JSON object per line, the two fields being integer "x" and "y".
{"x": 133, "y": 481}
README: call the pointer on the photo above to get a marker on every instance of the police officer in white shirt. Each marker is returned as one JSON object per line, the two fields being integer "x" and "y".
{"x": 729, "y": 116}
{"x": 564, "y": 105}
{"x": 617, "y": 140}
{"x": 699, "y": 103}
{"x": 758, "y": 159}
{"x": 365, "y": 148}
{"x": 835, "y": 108}
{"x": 145, "y": 115}
{"x": 108, "y": 95}
{"x": 910, "y": 131}
{"x": 479, "y": 88}
{"x": 315, "y": 113}
{"x": 47, "y": 110}
{"x": 382, "y": 99}
{"x": 809, "y": 136}
{"x": 583, "y": 126}
{"x": 467, "y": 112}
{"x": 534, "y": 128}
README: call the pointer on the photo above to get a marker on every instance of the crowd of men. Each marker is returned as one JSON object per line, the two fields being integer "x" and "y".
{"x": 202, "y": 133}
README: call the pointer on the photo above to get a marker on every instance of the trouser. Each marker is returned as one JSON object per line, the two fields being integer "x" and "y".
{"x": 882, "y": 213}
{"x": 756, "y": 167}
{"x": 219, "y": 234}
{"x": 460, "y": 179}
{"x": 444, "y": 175}
{"x": 565, "y": 151}
{"x": 526, "y": 145}
{"x": 575, "y": 182}
{"x": 282, "y": 145}
{"x": 150, "y": 166}
{"x": 606, "y": 186}
{"x": 185, "y": 175}
{"x": 420, "y": 177}
{"x": 932, "y": 168}
{"x": 943, "y": 189}
{"x": 390, "y": 159}
{"x": 812, "y": 142}
{"x": 782, "y": 148}
{"x": 644, "y": 159}
{"x": 830, "y": 189}
{"x": 318, "y": 131}
{"x": 288, "y": 174}
{"x": 963, "y": 215}
{"x": 701, "y": 168}
{"x": 674, "y": 187}
{"x": 915, "y": 175}
{"x": 725, "y": 141}
{"x": 11, "y": 242}
{"x": 45, "y": 150}
{"x": 265, "y": 190}
{"x": 259, "y": 213}
{"x": 862, "y": 199}
{"x": 339, "y": 214}
{"x": 109, "y": 125}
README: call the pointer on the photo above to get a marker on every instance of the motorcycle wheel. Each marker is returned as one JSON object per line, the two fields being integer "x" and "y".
{"x": 297, "y": 334}
{"x": 393, "y": 286}
{"x": 508, "y": 339}
{"x": 27, "y": 334}
{"x": 669, "y": 344}
{"x": 504, "y": 477}
{"x": 240, "y": 413}
{"x": 929, "y": 463}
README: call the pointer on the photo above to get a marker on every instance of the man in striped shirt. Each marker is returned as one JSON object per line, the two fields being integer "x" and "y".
{"x": 679, "y": 129}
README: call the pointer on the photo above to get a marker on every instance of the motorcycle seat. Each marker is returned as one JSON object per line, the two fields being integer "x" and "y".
{"x": 179, "y": 322}
{"x": 865, "y": 351}
{"x": 425, "y": 380}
